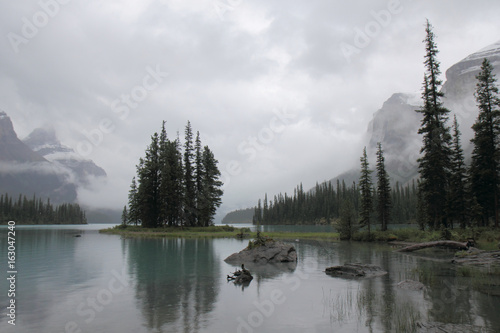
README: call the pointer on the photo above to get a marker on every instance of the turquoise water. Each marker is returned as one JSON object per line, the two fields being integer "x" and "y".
{"x": 104, "y": 283}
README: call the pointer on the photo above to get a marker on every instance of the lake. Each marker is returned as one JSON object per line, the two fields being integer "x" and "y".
{"x": 104, "y": 283}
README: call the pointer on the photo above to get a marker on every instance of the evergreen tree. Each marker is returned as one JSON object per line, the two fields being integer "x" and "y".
{"x": 365, "y": 187}
{"x": 210, "y": 189}
{"x": 198, "y": 174}
{"x": 124, "y": 216}
{"x": 383, "y": 190}
{"x": 484, "y": 167}
{"x": 456, "y": 193}
{"x": 189, "y": 180}
{"x": 435, "y": 161}
{"x": 165, "y": 177}
{"x": 149, "y": 185}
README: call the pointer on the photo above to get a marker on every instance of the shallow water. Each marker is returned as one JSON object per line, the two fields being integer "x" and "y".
{"x": 103, "y": 283}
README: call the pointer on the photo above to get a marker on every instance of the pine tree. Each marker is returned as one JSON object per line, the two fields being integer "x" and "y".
{"x": 133, "y": 203}
{"x": 365, "y": 187}
{"x": 485, "y": 155}
{"x": 383, "y": 190}
{"x": 124, "y": 216}
{"x": 435, "y": 161}
{"x": 165, "y": 177}
{"x": 189, "y": 180}
{"x": 456, "y": 194}
{"x": 198, "y": 174}
{"x": 211, "y": 188}
{"x": 148, "y": 189}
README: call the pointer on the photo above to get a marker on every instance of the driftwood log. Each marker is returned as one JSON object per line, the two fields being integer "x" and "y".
{"x": 445, "y": 243}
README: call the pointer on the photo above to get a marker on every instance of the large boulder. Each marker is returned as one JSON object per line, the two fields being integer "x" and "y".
{"x": 355, "y": 270}
{"x": 269, "y": 251}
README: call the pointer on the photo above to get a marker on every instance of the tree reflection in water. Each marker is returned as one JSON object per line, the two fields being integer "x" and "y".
{"x": 176, "y": 281}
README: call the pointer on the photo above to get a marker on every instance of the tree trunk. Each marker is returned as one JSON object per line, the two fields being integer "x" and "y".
{"x": 448, "y": 244}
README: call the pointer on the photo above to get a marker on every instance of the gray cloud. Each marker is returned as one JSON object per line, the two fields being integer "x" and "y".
{"x": 227, "y": 72}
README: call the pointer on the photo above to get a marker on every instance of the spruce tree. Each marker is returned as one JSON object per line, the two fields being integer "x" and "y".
{"x": 484, "y": 180}
{"x": 133, "y": 203}
{"x": 210, "y": 190}
{"x": 435, "y": 161}
{"x": 198, "y": 174}
{"x": 365, "y": 187}
{"x": 189, "y": 179}
{"x": 149, "y": 181}
{"x": 457, "y": 203}
{"x": 383, "y": 190}
{"x": 124, "y": 216}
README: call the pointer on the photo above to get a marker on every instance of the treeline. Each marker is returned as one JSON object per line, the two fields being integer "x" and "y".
{"x": 174, "y": 185}
{"x": 324, "y": 203}
{"x": 447, "y": 194}
{"x": 36, "y": 211}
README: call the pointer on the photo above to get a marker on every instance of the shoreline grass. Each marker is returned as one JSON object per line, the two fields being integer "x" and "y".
{"x": 486, "y": 239}
{"x": 213, "y": 232}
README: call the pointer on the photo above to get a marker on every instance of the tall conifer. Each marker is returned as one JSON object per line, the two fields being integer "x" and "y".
{"x": 435, "y": 161}
{"x": 484, "y": 167}
{"x": 365, "y": 187}
{"x": 383, "y": 190}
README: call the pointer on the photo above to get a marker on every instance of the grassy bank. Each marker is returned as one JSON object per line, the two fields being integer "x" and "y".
{"x": 486, "y": 239}
{"x": 174, "y": 232}
{"x": 213, "y": 232}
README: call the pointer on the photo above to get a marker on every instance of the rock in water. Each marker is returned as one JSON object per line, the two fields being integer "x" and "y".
{"x": 411, "y": 285}
{"x": 269, "y": 252}
{"x": 241, "y": 277}
{"x": 355, "y": 270}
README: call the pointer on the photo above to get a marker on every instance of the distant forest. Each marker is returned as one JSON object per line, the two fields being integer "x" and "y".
{"x": 325, "y": 202}
{"x": 36, "y": 211}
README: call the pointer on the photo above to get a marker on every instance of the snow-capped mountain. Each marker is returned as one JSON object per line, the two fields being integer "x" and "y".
{"x": 45, "y": 142}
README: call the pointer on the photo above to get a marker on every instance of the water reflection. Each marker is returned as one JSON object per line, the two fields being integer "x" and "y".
{"x": 379, "y": 305}
{"x": 176, "y": 282}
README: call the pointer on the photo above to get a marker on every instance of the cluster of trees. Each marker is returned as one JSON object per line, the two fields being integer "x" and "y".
{"x": 448, "y": 192}
{"x": 36, "y": 211}
{"x": 174, "y": 185}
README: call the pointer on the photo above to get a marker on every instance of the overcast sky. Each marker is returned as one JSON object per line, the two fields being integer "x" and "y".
{"x": 282, "y": 91}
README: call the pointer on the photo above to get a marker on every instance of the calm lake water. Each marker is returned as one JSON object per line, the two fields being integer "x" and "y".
{"x": 103, "y": 283}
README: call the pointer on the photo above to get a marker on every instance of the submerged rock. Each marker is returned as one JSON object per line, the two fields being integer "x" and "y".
{"x": 355, "y": 270}
{"x": 411, "y": 285}
{"x": 269, "y": 252}
{"x": 478, "y": 258}
{"x": 450, "y": 328}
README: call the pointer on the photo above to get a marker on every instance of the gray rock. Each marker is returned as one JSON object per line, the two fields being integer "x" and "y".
{"x": 270, "y": 252}
{"x": 355, "y": 270}
{"x": 478, "y": 258}
{"x": 411, "y": 285}
{"x": 434, "y": 327}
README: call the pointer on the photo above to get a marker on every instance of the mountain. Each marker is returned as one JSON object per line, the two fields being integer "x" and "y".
{"x": 11, "y": 148}
{"x": 23, "y": 171}
{"x": 45, "y": 142}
